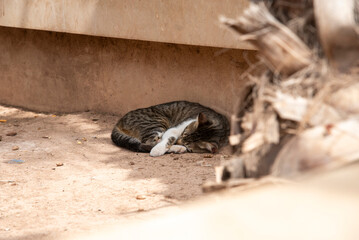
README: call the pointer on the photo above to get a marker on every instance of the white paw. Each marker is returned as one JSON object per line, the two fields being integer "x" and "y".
{"x": 177, "y": 149}
{"x": 158, "y": 150}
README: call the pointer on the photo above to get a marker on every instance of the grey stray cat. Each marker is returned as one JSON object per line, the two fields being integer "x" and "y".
{"x": 174, "y": 127}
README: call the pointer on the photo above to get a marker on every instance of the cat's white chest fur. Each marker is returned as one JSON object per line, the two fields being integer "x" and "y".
{"x": 175, "y": 132}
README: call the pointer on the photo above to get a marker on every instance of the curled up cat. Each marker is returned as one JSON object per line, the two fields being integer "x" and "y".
{"x": 174, "y": 127}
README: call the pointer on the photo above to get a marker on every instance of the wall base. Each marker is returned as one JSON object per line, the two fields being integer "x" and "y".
{"x": 61, "y": 72}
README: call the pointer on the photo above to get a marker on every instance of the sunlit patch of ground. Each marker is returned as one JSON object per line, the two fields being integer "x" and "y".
{"x": 73, "y": 178}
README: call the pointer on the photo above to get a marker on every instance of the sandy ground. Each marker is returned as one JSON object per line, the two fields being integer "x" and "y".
{"x": 73, "y": 179}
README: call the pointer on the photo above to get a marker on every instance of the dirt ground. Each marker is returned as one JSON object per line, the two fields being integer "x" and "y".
{"x": 73, "y": 179}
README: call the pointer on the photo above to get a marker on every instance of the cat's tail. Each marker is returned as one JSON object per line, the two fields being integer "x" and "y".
{"x": 123, "y": 140}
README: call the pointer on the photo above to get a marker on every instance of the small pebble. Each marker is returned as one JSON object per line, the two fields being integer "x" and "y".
{"x": 11, "y": 134}
{"x": 132, "y": 163}
{"x": 14, "y": 148}
{"x": 95, "y": 119}
{"x": 79, "y": 142}
{"x": 59, "y": 164}
{"x": 140, "y": 210}
{"x": 46, "y": 137}
{"x": 208, "y": 155}
{"x": 53, "y": 168}
{"x": 140, "y": 197}
{"x": 175, "y": 158}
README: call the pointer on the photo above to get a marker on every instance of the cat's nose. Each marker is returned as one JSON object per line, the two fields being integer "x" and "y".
{"x": 214, "y": 150}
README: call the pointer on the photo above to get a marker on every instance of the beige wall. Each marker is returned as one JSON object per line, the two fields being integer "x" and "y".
{"x": 48, "y": 71}
{"x": 176, "y": 21}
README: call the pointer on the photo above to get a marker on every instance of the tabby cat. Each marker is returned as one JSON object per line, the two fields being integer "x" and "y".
{"x": 176, "y": 127}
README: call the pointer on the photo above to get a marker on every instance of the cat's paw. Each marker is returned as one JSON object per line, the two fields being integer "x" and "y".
{"x": 158, "y": 150}
{"x": 177, "y": 149}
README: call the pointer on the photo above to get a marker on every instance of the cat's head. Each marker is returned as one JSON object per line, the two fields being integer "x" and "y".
{"x": 201, "y": 136}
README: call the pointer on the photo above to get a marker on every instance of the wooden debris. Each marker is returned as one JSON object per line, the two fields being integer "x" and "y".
{"x": 289, "y": 107}
{"x": 255, "y": 141}
{"x": 338, "y": 31}
{"x": 140, "y": 197}
{"x": 346, "y": 98}
{"x": 231, "y": 169}
{"x": 284, "y": 51}
{"x": 319, "y": 146}
{"x": 299, "y": 114}
{"x": 271, "y": 129}
{"x": 266, "y": 131}
{"x": 14, "y": 148}
{"x": 213, "y": 186}
{"x": 244, "y": 183}
{"x": 235, "y": 139}
{"x": 299, "y": 109}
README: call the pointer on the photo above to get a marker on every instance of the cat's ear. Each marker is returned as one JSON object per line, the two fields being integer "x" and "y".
{"x": 202, "y": 119}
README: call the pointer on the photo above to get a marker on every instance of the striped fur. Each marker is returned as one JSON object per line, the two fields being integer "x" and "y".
{"x": 140, "y": 130}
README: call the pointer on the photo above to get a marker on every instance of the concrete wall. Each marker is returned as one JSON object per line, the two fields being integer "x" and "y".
{"x": 48, "y": 71}
{"x": 176, "y": 21}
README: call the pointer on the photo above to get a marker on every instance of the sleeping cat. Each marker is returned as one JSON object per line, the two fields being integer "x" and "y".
{"x": 176, "y": 127}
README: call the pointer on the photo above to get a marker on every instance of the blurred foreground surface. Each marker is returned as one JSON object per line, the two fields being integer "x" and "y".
{"x": 324, "y": 206}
